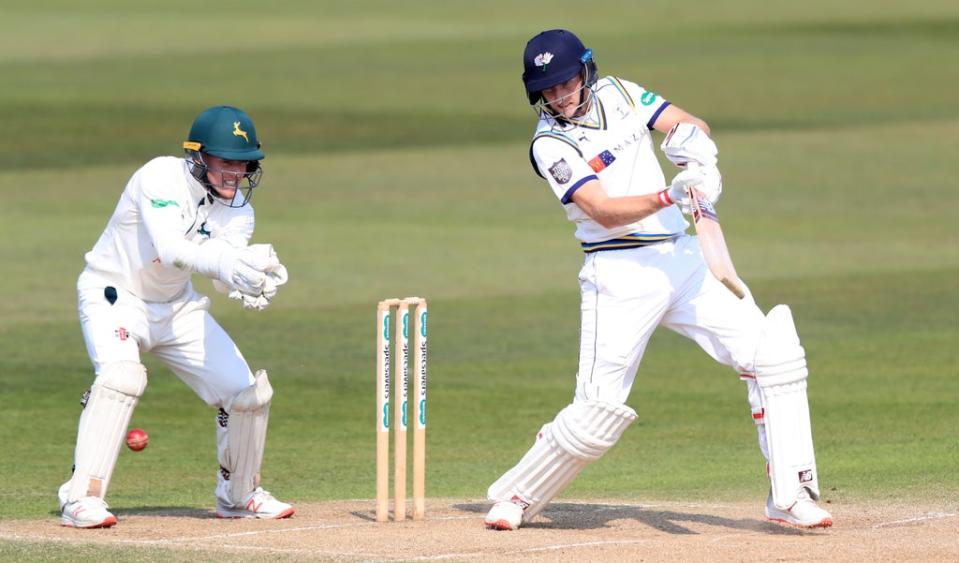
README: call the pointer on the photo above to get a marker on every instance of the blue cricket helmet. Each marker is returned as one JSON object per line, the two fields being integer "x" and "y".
{"x": 553, "y": 57}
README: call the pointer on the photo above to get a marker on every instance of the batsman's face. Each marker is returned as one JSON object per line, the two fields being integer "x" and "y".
{"x": 566, "y": 97}
{"x": 225, "y": 175}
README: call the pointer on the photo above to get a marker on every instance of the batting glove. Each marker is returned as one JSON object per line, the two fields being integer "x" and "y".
{"x": 687, "y": 142}
{"x": 712, "y": 186}
{"x": 678, "y": 190}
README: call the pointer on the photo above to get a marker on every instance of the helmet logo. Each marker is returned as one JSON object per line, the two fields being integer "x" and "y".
{"x": 543, "y": 59}
{"x": 239, "y": 132}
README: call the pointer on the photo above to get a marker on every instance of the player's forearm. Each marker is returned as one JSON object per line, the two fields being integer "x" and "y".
{"x": 613, "y": 212}
{"x": 619, "y": 211}
{"x": 206, "y": 259}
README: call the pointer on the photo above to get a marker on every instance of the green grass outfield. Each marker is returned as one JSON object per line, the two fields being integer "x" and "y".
{"x": 396, "y": 142}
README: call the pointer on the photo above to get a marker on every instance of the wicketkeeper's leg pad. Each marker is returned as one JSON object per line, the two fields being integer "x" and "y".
{"x": 781, "y": 374}
{"x": 241, "y": 439}
{"x": 580, "y": 434}
{"x": 103, "y": 425}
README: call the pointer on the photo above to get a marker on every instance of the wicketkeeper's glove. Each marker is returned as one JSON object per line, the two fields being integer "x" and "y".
{"x": 256, "y": 276}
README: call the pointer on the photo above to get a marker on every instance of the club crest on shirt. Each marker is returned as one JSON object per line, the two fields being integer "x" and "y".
{"x": 561, "y": 171}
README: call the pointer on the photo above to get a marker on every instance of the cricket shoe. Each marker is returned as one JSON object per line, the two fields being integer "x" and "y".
{"x": 260, "y": 504}
{"x": 88, "y": 512}
{"x": 805, "y": 513}
{"x": 505, "y": 515}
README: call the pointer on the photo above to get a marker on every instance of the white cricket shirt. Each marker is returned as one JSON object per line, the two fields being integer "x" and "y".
{"x": 612, "y": 143}
{"x": 151, "y": 244}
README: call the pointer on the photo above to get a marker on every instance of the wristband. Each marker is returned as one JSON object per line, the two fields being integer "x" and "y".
{"x": 664, "y": 199}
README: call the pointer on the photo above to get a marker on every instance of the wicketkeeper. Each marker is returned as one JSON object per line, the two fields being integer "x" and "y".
{"x": 176, "y": 217}
{"x": 594, "y": 148}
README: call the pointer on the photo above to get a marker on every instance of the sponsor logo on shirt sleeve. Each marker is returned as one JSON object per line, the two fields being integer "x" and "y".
{"x": 648, "y": 98}
{"x": 561, "y": 171}
{"x": 161, "y": 203}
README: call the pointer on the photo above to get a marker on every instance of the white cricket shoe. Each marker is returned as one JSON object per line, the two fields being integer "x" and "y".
{"x": 505, "y": 515}
{"x": 260, "y": 504}
{"x": 88, "y": 512}
{"x": 805, "y": 513}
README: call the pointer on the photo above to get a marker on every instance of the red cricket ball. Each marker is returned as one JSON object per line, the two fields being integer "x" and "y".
{"x": 137, "y": 439}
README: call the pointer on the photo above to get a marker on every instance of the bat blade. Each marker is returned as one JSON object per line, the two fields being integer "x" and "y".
{"x": 713, "y": 244}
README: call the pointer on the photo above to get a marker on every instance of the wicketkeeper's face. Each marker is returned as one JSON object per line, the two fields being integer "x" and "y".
{"x": 225, "y": 175}
{"x": 565, "y": 98}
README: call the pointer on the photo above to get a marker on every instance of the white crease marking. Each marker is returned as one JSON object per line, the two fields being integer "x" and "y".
{"x": 583, "y": 544}
{"x": 183, "y": 539}
{"x": 529, "y": 550}
{"x": 199, "y": 539}
{"x": 929, "y": 516}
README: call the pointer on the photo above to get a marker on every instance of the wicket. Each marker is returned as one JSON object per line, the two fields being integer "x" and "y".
{"x": 402, "y": 327}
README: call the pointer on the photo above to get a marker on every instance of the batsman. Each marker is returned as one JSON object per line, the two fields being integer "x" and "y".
{"x": 176, "y": 217}
{"x": 593, "y": 146}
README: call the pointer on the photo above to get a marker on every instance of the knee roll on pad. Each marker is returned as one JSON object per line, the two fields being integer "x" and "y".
{"x": 242, "y": 439}
{"x": 254, "y": 397}
{"x": 780, "y": 359}
{"x": 781, "y": 374}
{"x": 580, "y": 434}
{"x": 587, "y": 429}
{"x": 127, "y": 378}
{"x": 103, "y": 424}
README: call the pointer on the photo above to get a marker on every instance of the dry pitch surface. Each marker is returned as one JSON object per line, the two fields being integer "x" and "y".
{"x": 567, "y": 531}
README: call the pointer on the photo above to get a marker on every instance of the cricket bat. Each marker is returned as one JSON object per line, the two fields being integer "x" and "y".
{"x": 713, "y": 244}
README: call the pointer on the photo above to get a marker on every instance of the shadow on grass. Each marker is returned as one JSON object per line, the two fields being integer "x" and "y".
{"x": 575, "y": 516}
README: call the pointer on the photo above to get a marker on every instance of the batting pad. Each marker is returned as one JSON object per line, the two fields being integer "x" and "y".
{"x": 781, "y": 374}
{"x": 580, "y": 434}
{"x": 103, "y": 424}
{"x": 241, "y": 440}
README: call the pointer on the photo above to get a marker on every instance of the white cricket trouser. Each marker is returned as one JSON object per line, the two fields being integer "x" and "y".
{"x": 626, "y": 294}
{"x": 181, "y": 333}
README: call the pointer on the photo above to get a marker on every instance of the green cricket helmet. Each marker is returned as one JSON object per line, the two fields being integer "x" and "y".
{"x": 228, "y": 133}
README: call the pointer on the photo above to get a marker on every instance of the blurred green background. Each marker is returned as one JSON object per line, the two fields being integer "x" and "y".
{"x": 397, "y": 137}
